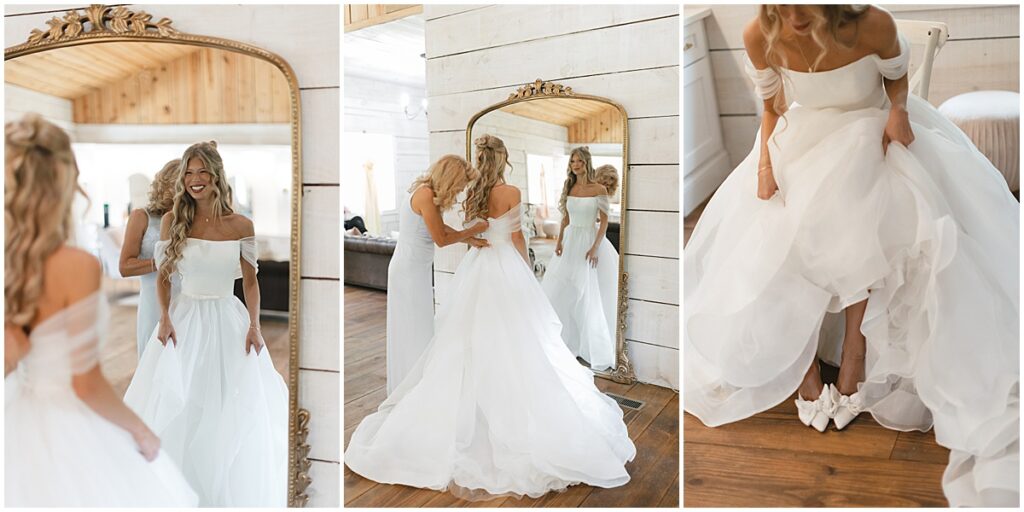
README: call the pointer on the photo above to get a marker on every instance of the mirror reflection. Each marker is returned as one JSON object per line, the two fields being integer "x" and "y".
{"x": 184, "y": 158}
{"x": 566, "y": 155}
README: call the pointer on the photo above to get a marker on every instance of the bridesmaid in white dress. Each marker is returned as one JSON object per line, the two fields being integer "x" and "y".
{"x": 571, "y": 281}
{"x": 497, "y": 405}
{"x": 205, "y": 383}
{"x": 863, "y": 205}
{"x": 410, "y": 313}
{"x": 69, "y": 441}
{"x": 140, "y": 237}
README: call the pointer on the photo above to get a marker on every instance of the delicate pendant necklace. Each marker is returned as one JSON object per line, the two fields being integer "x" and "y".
{"x": 810, "y": 68}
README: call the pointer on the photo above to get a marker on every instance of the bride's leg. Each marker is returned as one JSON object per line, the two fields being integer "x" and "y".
{"x": 810, "y": 388}
{"x": 851, "y": 368}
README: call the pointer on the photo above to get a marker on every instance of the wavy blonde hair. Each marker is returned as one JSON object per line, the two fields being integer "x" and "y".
{"x": 583, "y": 152}
{"x": 40, "y": 180}
{"x": 491, "y": 161}
{"x": 183, "y": 211}
{"x": 448, "y": 176}
{"x": 608, "y": 176}
{"x": 161, "y": 191}
{"x": 831, "y": 17}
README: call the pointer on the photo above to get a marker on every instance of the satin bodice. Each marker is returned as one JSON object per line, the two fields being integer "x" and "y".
{"x": 851, "y": 87}
{"x": 414, "y": 240}
{"x": 65, "y": 344}
{"x": 208, "y": 268}
{"x": 583, "y": 210}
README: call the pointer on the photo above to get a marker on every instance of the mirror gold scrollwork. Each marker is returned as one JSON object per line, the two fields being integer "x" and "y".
{"x": 544, "y": 125}
{"x": 132, "y": 81}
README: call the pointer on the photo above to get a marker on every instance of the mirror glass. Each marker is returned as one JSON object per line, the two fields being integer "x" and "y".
{"x": 130, "y": 109}
{"x": 540, "y": 136}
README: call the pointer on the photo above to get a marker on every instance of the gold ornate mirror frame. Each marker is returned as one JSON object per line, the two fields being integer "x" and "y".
{"x": 106, "y": 24}
{"x": 540, "y": 90}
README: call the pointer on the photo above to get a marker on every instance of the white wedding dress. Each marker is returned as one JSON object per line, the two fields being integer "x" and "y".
{"x": 574, "y": 287}
{"x": 222, "y": 414}
{"x": 60, "y": 453}
{"x": 927, "y": 234}
{"x": 497, "y": 405}
{"x": 410, "y": 320}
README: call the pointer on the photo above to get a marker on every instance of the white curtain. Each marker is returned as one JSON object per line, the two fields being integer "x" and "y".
{"x": 372, "y": 216}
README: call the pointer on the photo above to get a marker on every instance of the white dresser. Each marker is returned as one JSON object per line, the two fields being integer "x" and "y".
{"x": 705, "y": 162}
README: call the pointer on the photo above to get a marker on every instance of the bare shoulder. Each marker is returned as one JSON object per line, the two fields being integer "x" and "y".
{"x": 879, "y": 31}
{"x": 138, "y": 215}
{"x": 753, "y": 41}
{"x": 240, "y": 225}
{"x": 76, "y": 272}
{"x": 506, "y": 192}
{"x": 596, "y": 189}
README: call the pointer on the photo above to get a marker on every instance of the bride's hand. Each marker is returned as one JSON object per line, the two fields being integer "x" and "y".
{"x": 148, "y": 444}
{"x": 166, "y": 332}
{"x": 592, "y": 257}
{"x": 897, "y": 129}
{"x": 766, "y": 186}
{"x": 558, "y": 248}
{"x": 253, "y": 340}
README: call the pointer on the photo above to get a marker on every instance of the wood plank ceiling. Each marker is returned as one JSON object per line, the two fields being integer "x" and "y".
{"x": 588, "y": 121}
{"x": 156, "y": 83}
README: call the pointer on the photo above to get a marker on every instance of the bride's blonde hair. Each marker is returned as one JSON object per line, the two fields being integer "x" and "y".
{"x": 40, "y": 180}
{"x": 183, "y": 211}
{"x": 491, "y": 161}
{"x": 448, "y": 176}
{"x": 831, "y": 17}
{"x": 583, "y": 152}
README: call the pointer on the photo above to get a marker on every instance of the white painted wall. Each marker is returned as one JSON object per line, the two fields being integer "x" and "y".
{"x": 628, "y": 53}
{"x": 19, "y": 101}
{"x": 983, "y": 52}
{"x": 373, "y": 106}
{"x": 307, "y": 37}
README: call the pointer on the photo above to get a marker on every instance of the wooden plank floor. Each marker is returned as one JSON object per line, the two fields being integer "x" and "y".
{"x": 654, "y": 429}
{"x": 118, "y": 357}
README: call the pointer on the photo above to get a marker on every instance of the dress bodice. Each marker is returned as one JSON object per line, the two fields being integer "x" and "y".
{"x": 500, "y": 228}
{"x": 851, "y": 87}
{"x": 209, "y": 268}
{"x": 583, "y": 210}
{"x": 413, "y": 237}
{"x": 65, "y": 344}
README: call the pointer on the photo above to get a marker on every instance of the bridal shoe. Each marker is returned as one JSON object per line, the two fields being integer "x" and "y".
{"x": 847, "y": 408}
{"x": 816, "y": 413}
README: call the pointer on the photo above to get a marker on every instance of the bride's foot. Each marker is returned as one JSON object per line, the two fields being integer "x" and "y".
{"x": 815, "y": 404}
{"x": 810, "y": 388}
{"x": 851, "y": 373}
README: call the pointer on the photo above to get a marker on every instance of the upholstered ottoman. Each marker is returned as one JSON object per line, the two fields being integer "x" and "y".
{"x": 992, "y": 120}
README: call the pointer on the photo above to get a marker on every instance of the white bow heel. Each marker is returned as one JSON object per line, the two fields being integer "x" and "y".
{"x": 847, "y": 408}
{"x": 817, "y": 413}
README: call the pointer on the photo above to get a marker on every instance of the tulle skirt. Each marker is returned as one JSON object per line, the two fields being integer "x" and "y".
{"x": 574, "y": 289}
{"x": 928, "y": 235}
{"x": 59, "y": 453}
{"x": 222, "y": 414}
{"x": 496, "y": 406}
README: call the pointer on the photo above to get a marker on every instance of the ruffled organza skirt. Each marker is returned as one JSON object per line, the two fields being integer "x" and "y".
{"x": 928, "y": 235}
{"x": 497, "y": 405}
{"x": 574, "y": 289}
{"x": 222, "y": 414}
{"x": 59, "y": 453}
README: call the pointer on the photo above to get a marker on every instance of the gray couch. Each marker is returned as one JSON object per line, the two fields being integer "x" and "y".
{"x": 367, "y": 259}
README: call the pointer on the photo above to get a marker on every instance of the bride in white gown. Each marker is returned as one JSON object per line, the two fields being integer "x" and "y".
{"x": 496, "y": 405}
{"x": 205, "y": 383}
{"x": 572, "y": 282}
{"x": 863, "y": 201}
{"x": 69, "y": 441}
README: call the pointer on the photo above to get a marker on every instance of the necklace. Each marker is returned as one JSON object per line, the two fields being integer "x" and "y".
{"x": 810, "y": 68}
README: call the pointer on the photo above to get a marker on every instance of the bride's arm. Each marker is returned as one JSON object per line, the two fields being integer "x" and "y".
{"x": 251, "y": 291}
{"x": 754, "y": 43}
{"x": 165, "y": 331}
{"x": 897, "y": 128}
{"x": 423, "y": 201}
{"x": 93, "y": 389}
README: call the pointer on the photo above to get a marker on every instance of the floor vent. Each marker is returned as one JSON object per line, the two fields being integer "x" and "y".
{"x": 628, "y": 403}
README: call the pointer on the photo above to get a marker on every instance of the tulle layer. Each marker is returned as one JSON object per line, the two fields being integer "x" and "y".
{"x": 221, "y": 413}
{"x": 929, "y": 235}
{"x": 497, "y": 406}
{"x": 59, "y": 453}
{"x": 574, "y": 288}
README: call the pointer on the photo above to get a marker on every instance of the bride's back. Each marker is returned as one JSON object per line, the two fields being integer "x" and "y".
{"x": 69, "y": 275}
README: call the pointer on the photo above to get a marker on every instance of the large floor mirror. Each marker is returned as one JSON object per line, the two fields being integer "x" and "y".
{"x": 545, "y": 127}
{"x": 134, "y": 92}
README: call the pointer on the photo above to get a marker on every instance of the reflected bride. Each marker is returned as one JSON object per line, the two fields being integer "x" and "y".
{"x": 68, "y": 440}
{"x": 137, "y": 253}
{"x": 204, "y": 383}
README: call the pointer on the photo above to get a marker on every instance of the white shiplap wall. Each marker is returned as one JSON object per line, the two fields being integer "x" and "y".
{"x": 982, "y": 52}
{"x": 307, "y": 37}
{"x": 373, "y": 106}
{"x": 628, "y": 53}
